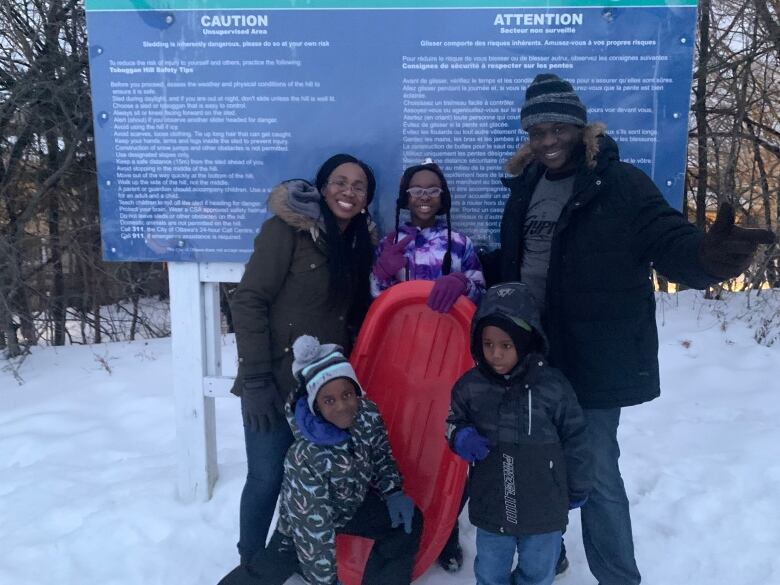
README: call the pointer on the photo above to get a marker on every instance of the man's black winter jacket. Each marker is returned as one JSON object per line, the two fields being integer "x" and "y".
{"x": 599, "y": 311}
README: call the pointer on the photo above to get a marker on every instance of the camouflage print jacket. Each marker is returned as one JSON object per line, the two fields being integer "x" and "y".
{"x": 324, "y": 485}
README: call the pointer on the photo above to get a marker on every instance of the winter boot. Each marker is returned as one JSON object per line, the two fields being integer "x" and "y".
{"x": 451, "y": 557}
{"x": 563, "y": 563}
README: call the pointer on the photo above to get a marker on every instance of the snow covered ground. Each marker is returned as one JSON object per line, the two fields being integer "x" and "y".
{"x": 87, "y": 463}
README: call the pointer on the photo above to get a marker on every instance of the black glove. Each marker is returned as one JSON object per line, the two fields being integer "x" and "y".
{"x": 727, "y": 250}
{"x": 260, "y": 403}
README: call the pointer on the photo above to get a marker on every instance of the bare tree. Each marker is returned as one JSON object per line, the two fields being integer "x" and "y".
{"x": 51, "y": 271}
{"x": 735, "y": 118}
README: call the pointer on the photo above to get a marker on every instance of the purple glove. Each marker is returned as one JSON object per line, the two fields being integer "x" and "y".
{"x": 392, "y": 259}
{"x": 470, "y": 445}
{"x": 446, "y": 291}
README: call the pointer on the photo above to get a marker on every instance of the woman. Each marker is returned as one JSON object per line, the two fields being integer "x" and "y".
{"x": 308, "y": 274}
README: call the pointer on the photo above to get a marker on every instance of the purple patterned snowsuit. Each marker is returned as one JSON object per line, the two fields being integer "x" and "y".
{"x": 425, "y": 255}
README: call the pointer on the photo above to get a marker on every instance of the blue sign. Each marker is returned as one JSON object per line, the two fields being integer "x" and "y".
{"x": 200, "y": 112}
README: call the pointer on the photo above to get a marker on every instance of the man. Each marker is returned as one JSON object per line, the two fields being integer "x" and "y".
{"x": 583, "y": 230}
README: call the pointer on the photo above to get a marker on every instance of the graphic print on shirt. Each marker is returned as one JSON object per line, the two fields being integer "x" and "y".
{"x": 539, "y": 227}
{"x": 544, "y": 211}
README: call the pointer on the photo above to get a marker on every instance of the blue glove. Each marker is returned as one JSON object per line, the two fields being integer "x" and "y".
{"x": 470, "y": 445}
{"x": 577, "y": 503}
{"x": 401, "y": 509}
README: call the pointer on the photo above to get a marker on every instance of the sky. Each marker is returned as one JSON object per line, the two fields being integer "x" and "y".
{"x": 88, "y": 463}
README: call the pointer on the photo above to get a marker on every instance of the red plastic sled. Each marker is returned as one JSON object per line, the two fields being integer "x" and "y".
{"x": 407, "y": 358}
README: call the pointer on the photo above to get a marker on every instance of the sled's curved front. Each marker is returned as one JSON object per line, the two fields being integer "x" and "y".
{"x": 407, "y": 358}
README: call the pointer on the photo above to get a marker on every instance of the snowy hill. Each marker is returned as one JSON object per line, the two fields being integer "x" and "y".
{"x": 87, "y": 463}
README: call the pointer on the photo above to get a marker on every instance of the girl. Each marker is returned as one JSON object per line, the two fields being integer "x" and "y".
{"x": 428, "y": 248}
{"x": 308, "y": 274}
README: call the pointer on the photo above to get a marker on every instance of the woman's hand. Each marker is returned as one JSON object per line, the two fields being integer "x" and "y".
{"x": 260, "y": 403}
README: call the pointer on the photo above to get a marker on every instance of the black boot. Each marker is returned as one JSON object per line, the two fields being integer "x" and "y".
{"x": 563, "y": 563}
{"x": 272, "y": 565}
{"x": 451, "y": 557}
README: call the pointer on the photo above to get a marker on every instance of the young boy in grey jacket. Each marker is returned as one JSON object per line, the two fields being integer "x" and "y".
{"x": 517, "y": 421}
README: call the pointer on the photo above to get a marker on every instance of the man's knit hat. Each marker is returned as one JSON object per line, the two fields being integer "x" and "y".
{"x": 552, "y": 99}
{"x": 316, "y": 364}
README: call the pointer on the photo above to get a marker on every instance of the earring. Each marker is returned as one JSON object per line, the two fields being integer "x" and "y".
{"x": 363, "y": 211}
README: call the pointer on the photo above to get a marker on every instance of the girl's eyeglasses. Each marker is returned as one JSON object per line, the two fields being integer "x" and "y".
{"x": 419, "y": 192}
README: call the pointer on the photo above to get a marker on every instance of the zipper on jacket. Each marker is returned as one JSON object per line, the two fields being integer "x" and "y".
{"x": 530, "y": 405}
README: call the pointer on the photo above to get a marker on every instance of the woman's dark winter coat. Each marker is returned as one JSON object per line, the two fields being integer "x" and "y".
{"x": 283, "y": 294}
{"x": 539, "y": 458}
{"x": 599, "y": 308}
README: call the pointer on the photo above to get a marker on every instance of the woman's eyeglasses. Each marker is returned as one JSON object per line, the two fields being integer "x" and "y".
{"x": 343, "y": 186}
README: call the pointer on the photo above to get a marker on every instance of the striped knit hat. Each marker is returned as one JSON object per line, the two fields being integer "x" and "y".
{"x": 552, "y": 99}
{"x": 316, "y": 364}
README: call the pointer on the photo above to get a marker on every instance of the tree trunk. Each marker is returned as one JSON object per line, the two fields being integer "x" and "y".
{"x": 134, "y": 320}
{"x": 7, "y": 329}
{"x": 57, "y": 304}
{"x": 769, "y": 21}
{"x": 700, "y": 111}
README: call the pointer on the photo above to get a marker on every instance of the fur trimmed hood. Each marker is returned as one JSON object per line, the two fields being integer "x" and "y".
{"x": 590, "y": 137}
{"x": 278, "y": 204}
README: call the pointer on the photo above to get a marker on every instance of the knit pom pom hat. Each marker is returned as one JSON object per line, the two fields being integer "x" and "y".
{"x": 315, "y": 364}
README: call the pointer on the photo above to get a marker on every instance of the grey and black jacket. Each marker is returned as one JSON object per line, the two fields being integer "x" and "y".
{"x": 539, "y": 459}
{"x": 325, "y": 484}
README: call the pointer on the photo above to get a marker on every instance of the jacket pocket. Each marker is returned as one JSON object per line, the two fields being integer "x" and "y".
{"x": 306, "y": 285}
{"x": 307, "y": 261}
{"x": 608, "y": 356}
{"x": 519, "y": 489}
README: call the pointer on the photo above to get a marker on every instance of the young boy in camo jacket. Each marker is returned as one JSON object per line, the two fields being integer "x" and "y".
{"x": 340, "y": 477}
{"x": 517, "y": 421}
